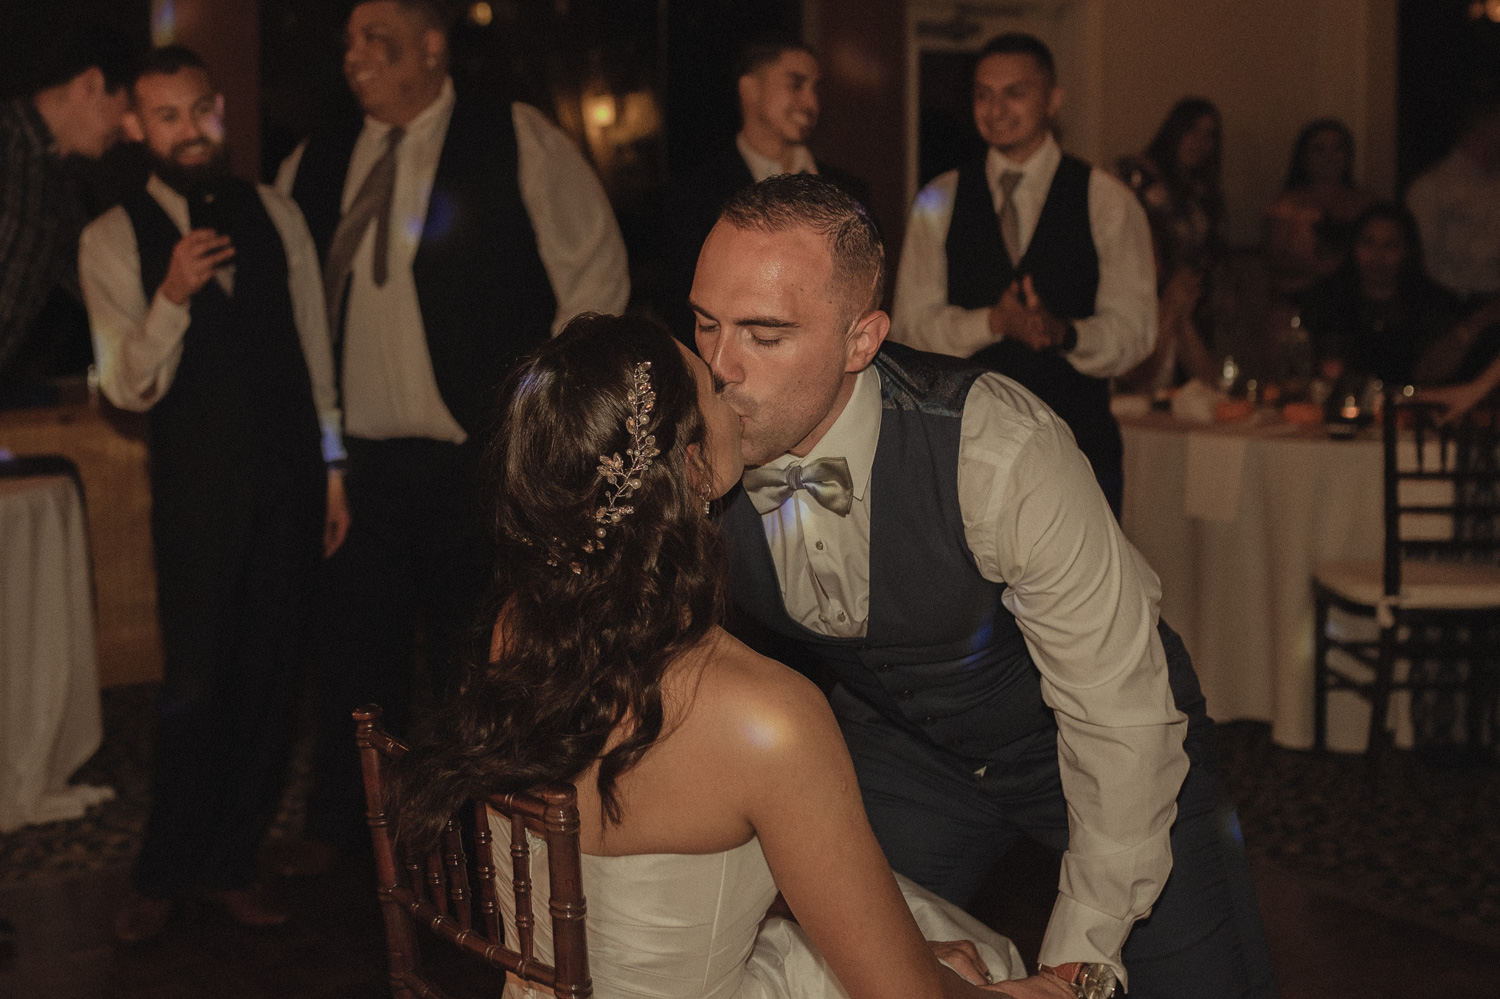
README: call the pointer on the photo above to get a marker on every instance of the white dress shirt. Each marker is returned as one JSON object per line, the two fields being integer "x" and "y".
{"x": 1087, "y": 604}
{"x": 762, "y": 167}
{"x": 1457, "y": 208}
{"x": 138, "y": 344}
{"x": 389, "y": 386}
{"x": 1122, "y": 330}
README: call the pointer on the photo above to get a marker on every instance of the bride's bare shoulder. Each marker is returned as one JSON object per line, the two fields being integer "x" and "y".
{"x": 745, "y": 701}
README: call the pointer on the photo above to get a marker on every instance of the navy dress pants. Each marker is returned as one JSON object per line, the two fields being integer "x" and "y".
{"x": 235, "y": 557}
{"x": 945, "y": 826}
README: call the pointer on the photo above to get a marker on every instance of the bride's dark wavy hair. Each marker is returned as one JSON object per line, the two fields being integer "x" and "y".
{"x": 582, "y": 652}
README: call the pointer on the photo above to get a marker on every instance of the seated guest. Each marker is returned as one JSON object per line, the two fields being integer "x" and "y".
{"x": 1177, "y": 182}
{"x": 708, "y": 777}
{"x": 1380, "y": 312}
{"x": 1309, "y": 227}
{"x": 206, "y": 307}
{"x": 778, "y": 98}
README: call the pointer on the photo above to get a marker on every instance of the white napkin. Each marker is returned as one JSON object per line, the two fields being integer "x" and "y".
{"x": 1195, "y": 402}
{"x": 1215, "y": 467}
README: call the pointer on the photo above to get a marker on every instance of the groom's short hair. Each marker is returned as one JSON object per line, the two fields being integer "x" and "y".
{"x": 803, "y": 200}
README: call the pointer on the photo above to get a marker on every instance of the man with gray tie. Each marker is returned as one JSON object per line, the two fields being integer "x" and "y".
{"x": 456, "y": 233}
{"x": 1030, "y": 261}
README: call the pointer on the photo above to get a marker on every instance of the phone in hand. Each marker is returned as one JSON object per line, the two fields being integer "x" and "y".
{"x": 208, "y": 208}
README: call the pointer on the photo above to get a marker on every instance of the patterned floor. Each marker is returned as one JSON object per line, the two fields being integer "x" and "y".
{"x": 1423, "y": 840}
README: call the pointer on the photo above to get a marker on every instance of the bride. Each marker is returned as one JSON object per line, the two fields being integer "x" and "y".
{"x": 708, "y": 776}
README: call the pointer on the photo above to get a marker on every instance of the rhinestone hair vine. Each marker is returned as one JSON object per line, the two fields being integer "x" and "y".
{"x": 624, "y": 481}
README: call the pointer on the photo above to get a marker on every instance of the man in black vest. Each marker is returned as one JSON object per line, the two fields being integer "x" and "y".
{"x": 206, "y": 307}
{"x": 928, "y": 535}
{"x": 1030, "y": 261}
{"x": 777, "y": 86}
{"x": 456, "y": 232}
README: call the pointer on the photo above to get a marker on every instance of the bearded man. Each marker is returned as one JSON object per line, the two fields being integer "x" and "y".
{"x": 206, "y": 306}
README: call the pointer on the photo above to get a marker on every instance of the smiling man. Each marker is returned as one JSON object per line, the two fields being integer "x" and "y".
{"x": 206, "y": 308}
{"x": 777, "y": 84}
{"x": 456, "y": 232}
{"x": 1030, "y": 261}
{"x": 927, "y": 535}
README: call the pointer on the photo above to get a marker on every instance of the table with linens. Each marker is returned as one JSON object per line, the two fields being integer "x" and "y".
{"x": 49, "y": 688}
{"x": 1234, "y": 518}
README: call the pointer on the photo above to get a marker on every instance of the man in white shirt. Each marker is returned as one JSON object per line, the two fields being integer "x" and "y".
{"x": 777, "y": 87}
{"x": 455, "y": 234}
{"x": 1457, "y": 207}
{"x": 1030, "y": 261}
{"x": 206, "y": 307}
{"x": 928, "y": 535}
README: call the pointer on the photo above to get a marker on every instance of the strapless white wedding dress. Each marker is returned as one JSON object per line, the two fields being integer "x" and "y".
{"x": 690, "y": 926}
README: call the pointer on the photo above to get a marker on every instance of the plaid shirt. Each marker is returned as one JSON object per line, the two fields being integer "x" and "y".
{"x": 40, "y": 219}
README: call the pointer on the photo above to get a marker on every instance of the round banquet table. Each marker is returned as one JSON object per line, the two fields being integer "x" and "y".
{"x": 1234, "y": 518}
{"x": 49, "y": 688}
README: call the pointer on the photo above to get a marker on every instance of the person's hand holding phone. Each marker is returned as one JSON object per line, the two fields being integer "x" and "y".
{"x": 194, "y": 259}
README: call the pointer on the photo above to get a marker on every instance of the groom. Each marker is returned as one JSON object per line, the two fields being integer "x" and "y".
{"x": 930, "y": 537}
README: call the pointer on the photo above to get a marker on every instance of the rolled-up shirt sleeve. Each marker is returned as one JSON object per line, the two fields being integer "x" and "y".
{"x": 577, "y": 236}
{"x": 921, "y": 316}
{"x": 137, "y": 344}
{"x": 1087, "y": 604}
{"x": 1122, "y": 331}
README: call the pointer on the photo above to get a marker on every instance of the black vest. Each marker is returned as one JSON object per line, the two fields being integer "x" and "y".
{"x": 241, "y": 398}
{"x": 942, "y": 658}
{"x": 483, "y": 291}
{"x": 1064, "y": 269}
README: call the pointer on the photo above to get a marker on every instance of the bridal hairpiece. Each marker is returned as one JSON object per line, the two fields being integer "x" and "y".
{"x": 625, "y": 481}
{"x": 622, "y": 481}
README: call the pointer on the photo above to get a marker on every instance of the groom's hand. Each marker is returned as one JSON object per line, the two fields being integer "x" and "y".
{"x": 1035, "y": 987}
{"x": 963, "y": 957}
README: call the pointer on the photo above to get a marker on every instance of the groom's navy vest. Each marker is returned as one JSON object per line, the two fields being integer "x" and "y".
{"x": 941, "y": 658}
{"x": 481, "y": 286}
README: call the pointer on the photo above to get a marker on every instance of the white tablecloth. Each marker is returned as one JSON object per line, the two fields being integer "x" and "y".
{"x": 49, "y": 687}
{"x": 1234, "y": 520}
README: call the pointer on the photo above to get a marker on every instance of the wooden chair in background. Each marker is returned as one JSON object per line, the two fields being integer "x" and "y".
{"x": 434, "y": 892}
{"x": 1435, "y": 594}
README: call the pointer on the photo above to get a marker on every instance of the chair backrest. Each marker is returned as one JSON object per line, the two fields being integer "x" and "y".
{"x": 1442, "y": 484}
{"x": 434, "y": 891}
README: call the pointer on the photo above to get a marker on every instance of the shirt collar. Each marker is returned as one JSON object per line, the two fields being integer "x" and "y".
{"x": 762, "y": 167}
{"x": 853, "y": 436}
{"x": 1037, "y": 171}
{"x": 437, "y": 111}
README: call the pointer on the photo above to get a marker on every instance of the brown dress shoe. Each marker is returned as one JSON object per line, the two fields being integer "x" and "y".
{"x": 302, "y": 858}
{"x": 142, "y": 918}
{"x": 249, "y": 907}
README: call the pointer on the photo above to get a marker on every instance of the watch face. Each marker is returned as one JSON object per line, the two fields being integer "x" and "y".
{"x": 1096, "y": 981}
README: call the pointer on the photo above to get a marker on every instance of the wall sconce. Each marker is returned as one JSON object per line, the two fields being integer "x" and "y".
{"x": 1482, "y": 9}
{"x": 600, "y": 110}
{"x": 481, "y": 14}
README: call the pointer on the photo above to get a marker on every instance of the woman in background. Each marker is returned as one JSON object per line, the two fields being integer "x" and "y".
{"x": 1380, "y": 313}
{"x": 708, "y": 776}
{"x": 1310, "y": 225}
{"x": 1177, "y": 182}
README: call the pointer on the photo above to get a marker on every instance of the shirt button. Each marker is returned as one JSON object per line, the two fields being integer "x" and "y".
{"x": 928, "y": 720}
{"x": 883, "y": 668}
{"x": 905, "y": 695}
{"x": 819, "y": 546}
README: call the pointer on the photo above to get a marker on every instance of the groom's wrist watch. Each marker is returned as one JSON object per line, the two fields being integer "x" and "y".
{"x": 1088, "y": 981}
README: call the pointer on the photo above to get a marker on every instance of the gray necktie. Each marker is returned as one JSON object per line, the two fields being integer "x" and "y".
{"x": 372, "y": 203}
{"x": 827, "y": 480}
{"x": 1010, "y": 222}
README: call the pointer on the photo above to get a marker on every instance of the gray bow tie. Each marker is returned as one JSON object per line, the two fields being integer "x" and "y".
{"x": 827, "y": 480}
